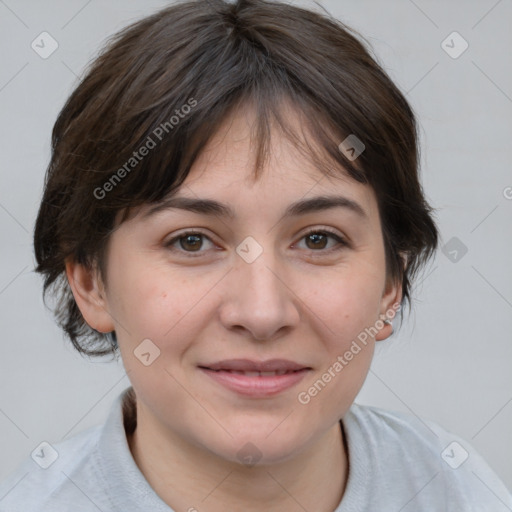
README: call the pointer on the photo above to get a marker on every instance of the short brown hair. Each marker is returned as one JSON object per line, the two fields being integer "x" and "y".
{"x": 213, "y": 57}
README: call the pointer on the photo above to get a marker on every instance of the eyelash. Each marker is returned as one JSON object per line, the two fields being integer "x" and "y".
{"x": 342, "y": 243}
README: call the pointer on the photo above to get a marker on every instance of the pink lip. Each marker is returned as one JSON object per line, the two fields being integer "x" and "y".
{"x": 248, "y": 365}
{"x": 256, "y": 386}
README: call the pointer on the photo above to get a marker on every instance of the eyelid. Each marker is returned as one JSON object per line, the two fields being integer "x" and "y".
{"x": 341, "y": 240}
{"x": 168, "y": 244}
{"x": 324, "y": 229}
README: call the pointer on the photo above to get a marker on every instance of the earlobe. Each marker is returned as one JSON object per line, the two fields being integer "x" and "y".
{"x": 391, "y": 302}
{"x": 390, "y": 305}
{"x": 89, "y": 293}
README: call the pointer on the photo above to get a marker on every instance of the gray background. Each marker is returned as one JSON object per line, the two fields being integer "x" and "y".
{"x": 451, "y": 361}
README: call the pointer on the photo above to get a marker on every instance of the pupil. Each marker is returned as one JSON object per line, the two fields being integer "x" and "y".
{"x": 315, "y": 238}
{"x": 192, "y": 241}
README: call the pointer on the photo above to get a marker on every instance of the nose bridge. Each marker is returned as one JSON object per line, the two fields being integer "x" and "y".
{"x": 259, "y": 277}
{"x": 254, "y": 270}
{"x": 258, "y": 299}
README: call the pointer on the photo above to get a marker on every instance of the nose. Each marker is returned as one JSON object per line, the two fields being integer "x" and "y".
{"x": 258, "y": 300}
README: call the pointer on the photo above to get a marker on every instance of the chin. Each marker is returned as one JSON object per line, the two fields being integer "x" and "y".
{"x": 266, "y": 446}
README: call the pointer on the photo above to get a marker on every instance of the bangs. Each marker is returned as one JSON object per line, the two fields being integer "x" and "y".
{"x": 175, "y": 142}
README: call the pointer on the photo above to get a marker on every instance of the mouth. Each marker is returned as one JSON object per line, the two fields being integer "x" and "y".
{"x": 255, "y": 373}
{"x": 257, "y": 379}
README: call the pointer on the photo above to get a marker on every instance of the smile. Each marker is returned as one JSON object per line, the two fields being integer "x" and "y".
{"x": 256, "y": 379}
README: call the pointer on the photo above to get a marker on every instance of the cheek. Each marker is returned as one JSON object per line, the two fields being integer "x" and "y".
{"x": 345, "y": 304}
{"x": 150, "y": 300}
{"x": 346, "y": 307}
{"x": 164, "y": 307}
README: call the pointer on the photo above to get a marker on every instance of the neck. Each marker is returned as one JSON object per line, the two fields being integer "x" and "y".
{"x": 187, "y": 477}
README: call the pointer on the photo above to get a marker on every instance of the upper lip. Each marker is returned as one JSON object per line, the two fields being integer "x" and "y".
{"x": 247, "y": 365}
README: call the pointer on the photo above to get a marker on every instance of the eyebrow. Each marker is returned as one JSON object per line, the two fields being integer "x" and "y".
{"x": 217, "y": 209}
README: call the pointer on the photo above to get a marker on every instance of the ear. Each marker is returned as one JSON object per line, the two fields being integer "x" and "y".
{"x": 390, "y": 302}
{"x": 89, "y": 292}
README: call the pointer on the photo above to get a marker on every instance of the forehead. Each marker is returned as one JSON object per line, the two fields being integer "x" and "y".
{"x": 298, "y": 177}
{"x": 225, "y": 166}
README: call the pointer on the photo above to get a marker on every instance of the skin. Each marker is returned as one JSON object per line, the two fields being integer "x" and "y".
{"x": 297, "y": 301}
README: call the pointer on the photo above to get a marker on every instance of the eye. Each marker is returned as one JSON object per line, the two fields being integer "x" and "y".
{"x": 190, "y": 242}
{"x": 318, "y": 239}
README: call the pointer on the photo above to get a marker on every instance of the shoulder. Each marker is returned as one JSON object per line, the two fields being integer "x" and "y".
{"x": 45, "y": 480}
{"x": 385, "y": 426}
{"x": 412, "y": 452}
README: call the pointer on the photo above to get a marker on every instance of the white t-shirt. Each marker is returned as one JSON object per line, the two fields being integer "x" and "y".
{"x": 397, "y": 463}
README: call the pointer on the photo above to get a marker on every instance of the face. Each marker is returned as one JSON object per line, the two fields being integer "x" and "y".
{"x": 222, "y": 296}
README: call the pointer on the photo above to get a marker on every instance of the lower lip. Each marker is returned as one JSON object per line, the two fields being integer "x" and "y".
{"x": 256, "y": 387}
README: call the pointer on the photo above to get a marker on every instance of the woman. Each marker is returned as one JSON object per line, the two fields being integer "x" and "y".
{"x": 233, "y": 206}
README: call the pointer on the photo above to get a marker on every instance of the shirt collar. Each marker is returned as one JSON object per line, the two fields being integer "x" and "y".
{"x": 126, "y": 484}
